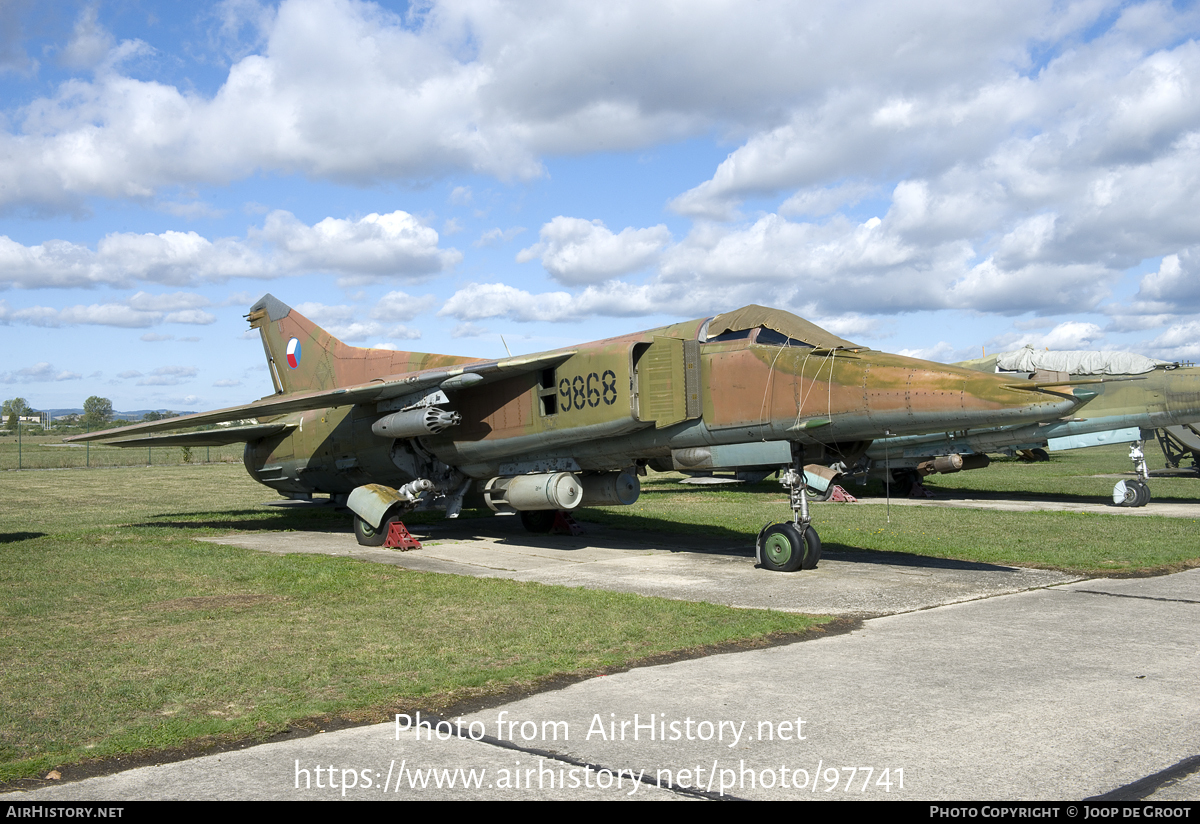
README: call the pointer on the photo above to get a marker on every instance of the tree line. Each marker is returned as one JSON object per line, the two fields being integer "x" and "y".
{"x": 97, "y": 413}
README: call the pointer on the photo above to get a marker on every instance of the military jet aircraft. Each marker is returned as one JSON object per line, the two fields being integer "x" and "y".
{"x": 536, "y": 434}
{"x": 1132, "y": 397}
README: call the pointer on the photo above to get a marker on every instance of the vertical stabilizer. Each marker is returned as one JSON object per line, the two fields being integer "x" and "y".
{"x": 303, "y": 357}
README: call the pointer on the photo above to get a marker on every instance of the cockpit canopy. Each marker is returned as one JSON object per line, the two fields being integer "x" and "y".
{"x": 776, "y": 327}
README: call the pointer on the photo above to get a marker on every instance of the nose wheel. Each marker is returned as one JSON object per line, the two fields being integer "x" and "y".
{"x": 785, "y": 548}
{"x": 789, "y": 547}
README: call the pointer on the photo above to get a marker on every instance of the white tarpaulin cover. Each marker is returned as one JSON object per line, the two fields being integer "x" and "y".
{"x": 1076, "y": 362}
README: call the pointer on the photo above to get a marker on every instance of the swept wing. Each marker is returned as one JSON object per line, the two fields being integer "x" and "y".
{"x": 452, "y": 379}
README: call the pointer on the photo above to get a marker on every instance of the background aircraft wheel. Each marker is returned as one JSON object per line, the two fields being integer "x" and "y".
{"x": 902, "y": 482}
{"x": 784, "y": 549}
{"x": 1125, "y": 493}
{"x": 368, "y": 535}
{"x": 813, "y": 495}
{"x": 1039, "y": 454}
{"x": 538, "y": 520}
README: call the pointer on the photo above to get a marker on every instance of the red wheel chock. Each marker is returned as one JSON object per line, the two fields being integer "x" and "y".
{"x": 398, "y": 537}
{"x": 842, "y": 496}
{"x": 564, "y": 524}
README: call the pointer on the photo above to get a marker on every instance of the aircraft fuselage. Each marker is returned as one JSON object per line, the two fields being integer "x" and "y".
{"x": 638, "y": 397}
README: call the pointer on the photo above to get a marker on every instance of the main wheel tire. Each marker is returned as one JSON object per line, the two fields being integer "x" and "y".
{"x": 539, "y": 521}
{"x": 368, "y": 535}
{"x": 784, "y": 549}
{"x": 1039, "y": 454}
{"x": 1143, "y": 493}
{"x": 813, "y": 555}
{"x": 901, "y": 483}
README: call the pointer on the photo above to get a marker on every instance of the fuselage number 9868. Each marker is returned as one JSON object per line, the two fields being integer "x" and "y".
{"x": 579, "y": 391}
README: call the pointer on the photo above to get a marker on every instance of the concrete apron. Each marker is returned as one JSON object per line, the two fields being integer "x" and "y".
{"x": 1069, "y": 692}
{"x": 678, "y": 567}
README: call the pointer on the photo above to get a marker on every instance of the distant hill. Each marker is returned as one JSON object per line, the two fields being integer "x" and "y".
{"x": 135, "y": 415}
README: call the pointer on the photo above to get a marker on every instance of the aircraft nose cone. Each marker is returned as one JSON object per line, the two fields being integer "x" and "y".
{"x": 946, "y": 398}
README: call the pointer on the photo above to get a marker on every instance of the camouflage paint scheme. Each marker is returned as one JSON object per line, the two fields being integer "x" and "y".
{"x": 1169, "y": 395}
{"x": 756, "y": 377}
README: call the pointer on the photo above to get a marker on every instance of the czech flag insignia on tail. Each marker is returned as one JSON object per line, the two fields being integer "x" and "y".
{"x": 293, "y": 353}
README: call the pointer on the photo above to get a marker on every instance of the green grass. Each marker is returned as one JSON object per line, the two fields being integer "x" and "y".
{"x": 1083, "y": 543}
{"x": 122, "y": 634}
{"x": 1077, "y": 474}
{"x": 49, "y": 452}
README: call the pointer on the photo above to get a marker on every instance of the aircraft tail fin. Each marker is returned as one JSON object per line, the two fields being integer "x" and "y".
{"x": 303, "y": 357}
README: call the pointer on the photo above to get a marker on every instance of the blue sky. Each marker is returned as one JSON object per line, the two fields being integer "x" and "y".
{"x": 921, "y": 177}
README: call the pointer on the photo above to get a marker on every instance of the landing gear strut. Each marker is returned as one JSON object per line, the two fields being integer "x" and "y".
{"x": 1135, "y": 492}
{"x": 789, "y": 547}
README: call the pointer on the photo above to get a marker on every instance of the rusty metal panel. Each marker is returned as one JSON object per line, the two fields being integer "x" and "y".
{"x": 503, "y": 410}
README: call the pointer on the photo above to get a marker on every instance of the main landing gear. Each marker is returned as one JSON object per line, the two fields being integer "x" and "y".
{"x": 789, "y": 547}
{"x": 368, "y": 535}
{"x": 550, "y": 522}
{"x": 391, "y": 533}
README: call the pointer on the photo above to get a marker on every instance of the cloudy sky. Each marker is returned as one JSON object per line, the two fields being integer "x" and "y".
{"x": 924, "y": 177}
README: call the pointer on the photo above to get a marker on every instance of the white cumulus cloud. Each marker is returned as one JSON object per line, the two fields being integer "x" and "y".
{"x": 348, "y": 91}
{"x": 577, "y": 251}
{"x": 39, "y": 372}
{"x": 373, "y": 248}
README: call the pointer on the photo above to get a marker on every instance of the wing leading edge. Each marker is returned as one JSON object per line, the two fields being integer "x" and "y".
{"x": 457, "y": 378}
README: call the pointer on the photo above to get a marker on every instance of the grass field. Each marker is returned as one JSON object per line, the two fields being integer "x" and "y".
{"x": 49, "y": 452}
{"x": 123, "y": 634}
{"x": 1084, "y": 543}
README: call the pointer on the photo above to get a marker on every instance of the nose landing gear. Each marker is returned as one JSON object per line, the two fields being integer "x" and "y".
{"x": 789, "y": 547}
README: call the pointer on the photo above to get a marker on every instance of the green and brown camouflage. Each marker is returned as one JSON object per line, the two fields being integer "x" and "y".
{"x": 758, "y": 383}
{"x": 327, "y": 362}
{"x": 1120, "y": 409}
